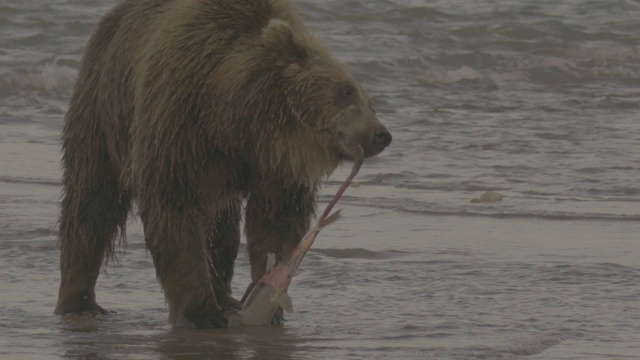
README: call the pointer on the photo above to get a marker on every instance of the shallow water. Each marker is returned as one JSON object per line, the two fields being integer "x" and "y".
{"x": 539, "y": 101}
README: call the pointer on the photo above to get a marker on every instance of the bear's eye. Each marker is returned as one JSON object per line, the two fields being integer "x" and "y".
{"x": 348, "y": 91}
{"x": 345, "y": 95}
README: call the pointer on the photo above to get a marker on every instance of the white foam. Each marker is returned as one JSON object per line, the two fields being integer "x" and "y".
{"x": 54, "y": 76}
{"x": 438, "y": 76}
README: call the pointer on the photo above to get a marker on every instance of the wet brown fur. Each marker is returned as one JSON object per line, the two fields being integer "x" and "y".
{"x": 192, "y": 108}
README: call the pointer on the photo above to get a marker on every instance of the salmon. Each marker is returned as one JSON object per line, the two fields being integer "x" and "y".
{"x": 270, "y": 292}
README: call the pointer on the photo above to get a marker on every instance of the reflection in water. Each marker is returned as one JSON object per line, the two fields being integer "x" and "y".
{"x": 119, "y": 336}
{"x": 242, "y": 343}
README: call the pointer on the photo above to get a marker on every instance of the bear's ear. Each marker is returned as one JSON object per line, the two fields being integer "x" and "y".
{"x": 282, "y": 43}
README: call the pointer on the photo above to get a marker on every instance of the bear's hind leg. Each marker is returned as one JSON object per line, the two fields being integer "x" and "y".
{"x": 92, "y": 210}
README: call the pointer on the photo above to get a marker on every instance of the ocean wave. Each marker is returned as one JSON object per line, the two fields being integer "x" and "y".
{"x": 54, "y": 76}
{"x": 527, "y": 208}
{"x": 535, "y": 215}
{"x": 606, "y": 274}
{"x": 577, "y": 66}
{"x": 412, "y": 13}
{"x": 27, "y": 94}
{"x": 51, "y": 77}
{"x": 358, "y": 253}
{"x": 533, "y": 346}
{"x": 40, "y": 232}
{"x": 29, "y": 181}
{"x": 546, "y": 52}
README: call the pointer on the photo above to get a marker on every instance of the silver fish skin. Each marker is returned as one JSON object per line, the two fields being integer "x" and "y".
{"x": 270, "y": 292}
{"x": 262, "y": 302}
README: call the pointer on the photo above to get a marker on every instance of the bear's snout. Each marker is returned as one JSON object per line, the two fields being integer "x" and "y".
{"x": 363, "y": 135}
{"x": 382, "y": 137}
{"x": 378, "y": 141}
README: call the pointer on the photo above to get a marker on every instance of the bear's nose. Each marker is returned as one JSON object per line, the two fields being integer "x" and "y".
{"x": 383, "y": 136}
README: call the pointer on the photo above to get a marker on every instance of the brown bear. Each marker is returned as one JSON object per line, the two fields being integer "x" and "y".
{"x": 200, "y": 111}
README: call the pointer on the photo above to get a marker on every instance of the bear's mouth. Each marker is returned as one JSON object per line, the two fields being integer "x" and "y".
{"x": 362, "y": 144}
{"x": 351, "y": 150}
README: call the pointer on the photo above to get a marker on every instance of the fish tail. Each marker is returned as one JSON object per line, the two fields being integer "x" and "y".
{"x": 330, "y": 219}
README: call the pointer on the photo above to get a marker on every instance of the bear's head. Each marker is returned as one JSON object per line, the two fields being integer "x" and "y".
{"x": 321, "y": 94}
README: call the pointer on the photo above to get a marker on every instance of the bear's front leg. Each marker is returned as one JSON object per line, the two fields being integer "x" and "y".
{"x": 276, "y": 220}
{"x": 178, "y": 242}
{"x": 224, "y": 242}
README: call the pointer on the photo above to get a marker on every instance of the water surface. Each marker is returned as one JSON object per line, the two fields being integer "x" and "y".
{"x": 538, "y": 101}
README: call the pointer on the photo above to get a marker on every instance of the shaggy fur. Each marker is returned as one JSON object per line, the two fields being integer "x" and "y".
{"x": 192, "y": 108}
